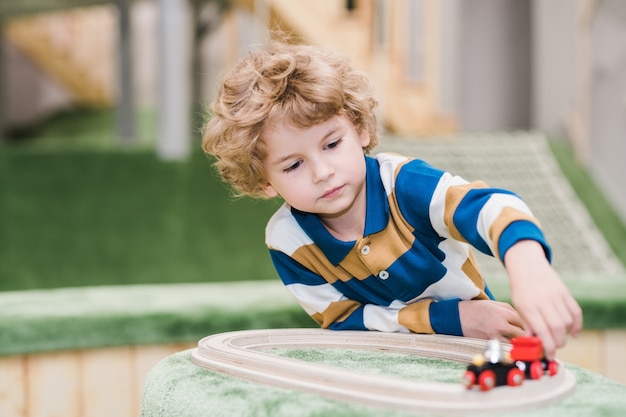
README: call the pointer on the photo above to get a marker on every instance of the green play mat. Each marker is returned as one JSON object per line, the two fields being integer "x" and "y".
{"x": 176, "y": 387}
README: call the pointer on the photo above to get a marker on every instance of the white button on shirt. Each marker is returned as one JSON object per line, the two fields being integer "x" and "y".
{"x": 383, "y": 274}
{"x": 365, "y": 250}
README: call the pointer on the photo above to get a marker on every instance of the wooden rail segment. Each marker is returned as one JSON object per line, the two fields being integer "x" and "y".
{"x": 241, "y": 354}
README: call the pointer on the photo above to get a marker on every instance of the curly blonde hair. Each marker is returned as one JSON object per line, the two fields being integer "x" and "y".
{"x": 299, "y": 84}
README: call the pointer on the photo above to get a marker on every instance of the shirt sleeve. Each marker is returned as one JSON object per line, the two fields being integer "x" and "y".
{"x": 428, "y": 316}
{"x": 490, "y": 219}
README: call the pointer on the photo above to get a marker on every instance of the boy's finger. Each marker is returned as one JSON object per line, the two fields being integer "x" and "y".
{"x": 577, "y": 314}
{"x": 538, "y": 327}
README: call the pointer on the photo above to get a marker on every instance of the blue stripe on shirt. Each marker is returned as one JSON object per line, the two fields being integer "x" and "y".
{"x": 465, "y": 217}
{"x": 522, "y": 230}
{"x": 444, "y": 317}
{"x": 415, "y": 183}
{"x": 352, "y": 322}
{"x": 292, "y": 272}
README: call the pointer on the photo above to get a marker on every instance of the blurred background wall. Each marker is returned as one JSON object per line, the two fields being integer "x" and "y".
{"x": 438, "y": 66}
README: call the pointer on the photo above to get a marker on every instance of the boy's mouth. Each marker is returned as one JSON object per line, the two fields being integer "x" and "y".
{"x": 333, "y": 192}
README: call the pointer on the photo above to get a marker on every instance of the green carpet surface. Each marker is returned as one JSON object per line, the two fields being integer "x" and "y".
{"x": 86, "y": 218}
{"x": 176, "y": 387}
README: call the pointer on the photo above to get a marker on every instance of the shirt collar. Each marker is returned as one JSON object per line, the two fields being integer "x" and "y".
{"x": 376, "y": 217}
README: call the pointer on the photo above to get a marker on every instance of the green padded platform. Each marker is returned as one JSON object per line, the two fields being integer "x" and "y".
{"x": 78, "y": 318}
{"x": 89, "y": 317}
{"x": 176, "y": 387}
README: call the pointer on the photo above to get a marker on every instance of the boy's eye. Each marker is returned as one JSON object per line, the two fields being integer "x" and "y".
{"x": 333, "y": 144}
{"x": 292, "y": 166}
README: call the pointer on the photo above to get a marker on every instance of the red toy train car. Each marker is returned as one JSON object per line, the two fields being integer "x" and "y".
{"x": 528, "y": 355}
{"x": 496, "y": 367}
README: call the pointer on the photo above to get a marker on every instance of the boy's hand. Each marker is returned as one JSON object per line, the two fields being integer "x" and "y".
{"x": 487, "y": 319}
{"x": 546, "y": 306}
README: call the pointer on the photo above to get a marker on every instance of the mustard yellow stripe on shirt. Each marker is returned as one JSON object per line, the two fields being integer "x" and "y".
{"x": 454, "y": 195}
{"x": 311, "y": 257}
{"x": 416, "y": 317}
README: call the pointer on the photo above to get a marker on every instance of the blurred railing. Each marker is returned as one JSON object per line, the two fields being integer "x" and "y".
{"x": 75, "y": 47}
{"x": 59, "y": 36}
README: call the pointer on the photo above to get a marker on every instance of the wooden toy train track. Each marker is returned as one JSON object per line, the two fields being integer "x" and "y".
{"x": 241, "y": 354}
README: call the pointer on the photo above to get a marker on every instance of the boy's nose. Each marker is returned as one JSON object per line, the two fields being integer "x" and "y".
{"x": 322, "y": 171}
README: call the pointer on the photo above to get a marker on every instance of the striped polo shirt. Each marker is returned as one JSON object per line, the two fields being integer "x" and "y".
{"x": 414, "y": 262}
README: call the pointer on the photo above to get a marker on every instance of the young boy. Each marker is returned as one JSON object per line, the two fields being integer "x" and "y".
{"x": 375, "y": 243}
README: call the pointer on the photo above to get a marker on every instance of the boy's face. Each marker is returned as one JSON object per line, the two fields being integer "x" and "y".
{"x": 320, "y": 169}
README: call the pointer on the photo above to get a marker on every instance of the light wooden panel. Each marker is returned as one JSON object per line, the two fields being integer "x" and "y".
{"x": 615, "y": 355}
{"x": 585, "y": 351}
{"x": 12, "y": 386}
{"x": 53, "y": 385}
{"x": 106, "y": 382}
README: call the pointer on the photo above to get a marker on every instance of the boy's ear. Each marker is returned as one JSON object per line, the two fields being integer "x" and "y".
{"x": 269, "y": 191}
{"x": 365, "y": 138}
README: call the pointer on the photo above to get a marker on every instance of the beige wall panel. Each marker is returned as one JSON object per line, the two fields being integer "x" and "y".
{"x": 585, "y": 350}
{"x": 53, "y": 385}
{"x": 107, "y": 376}
{"x": 12, "y": 398}
{"x": 615, "y": 355}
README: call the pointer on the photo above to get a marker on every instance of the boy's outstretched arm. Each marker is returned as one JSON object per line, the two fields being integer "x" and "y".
{"x": 544, "y": 303}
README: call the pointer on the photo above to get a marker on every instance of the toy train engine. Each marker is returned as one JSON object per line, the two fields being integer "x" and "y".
{"x": 528, "y": 355}
{"x": 492, "y": 369}
{"x": 496, "y": 367}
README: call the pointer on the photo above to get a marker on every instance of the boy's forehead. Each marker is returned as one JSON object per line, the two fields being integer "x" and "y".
{"x": 288, "y": 126}
{"x": 303, "y": 121}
